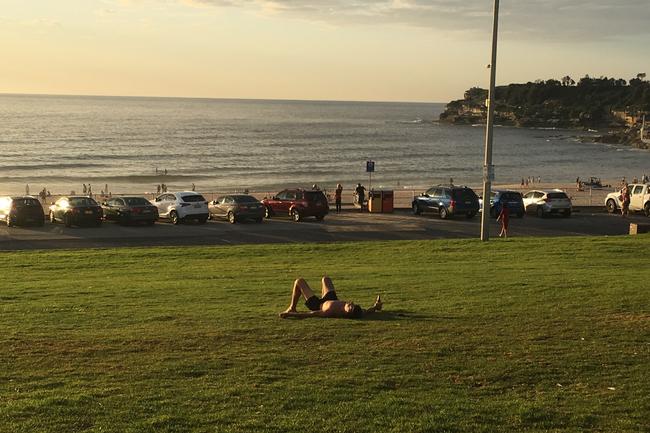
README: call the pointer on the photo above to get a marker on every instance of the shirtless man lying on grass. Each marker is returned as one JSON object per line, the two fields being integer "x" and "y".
{"x": 326, "y": 306}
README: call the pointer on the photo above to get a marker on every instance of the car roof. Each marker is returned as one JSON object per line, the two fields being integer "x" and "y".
{"x": 18, "y": 197}
{"x": 132, "y": 196}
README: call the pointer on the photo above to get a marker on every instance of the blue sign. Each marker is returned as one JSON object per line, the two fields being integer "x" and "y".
{"x": 370, "y": 166}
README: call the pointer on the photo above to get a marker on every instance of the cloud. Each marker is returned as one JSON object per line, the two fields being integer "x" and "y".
{"x": 543, "y": 19}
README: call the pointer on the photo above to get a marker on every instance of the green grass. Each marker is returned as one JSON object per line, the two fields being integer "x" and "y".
{"x": 534, "y": 335}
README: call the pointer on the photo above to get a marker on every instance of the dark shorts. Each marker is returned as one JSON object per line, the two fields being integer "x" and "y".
{"x": 314, "y": 303}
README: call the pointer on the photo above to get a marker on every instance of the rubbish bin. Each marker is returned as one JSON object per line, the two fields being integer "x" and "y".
{"x": 387, "y": 201}
{"x": 374, "y": 201}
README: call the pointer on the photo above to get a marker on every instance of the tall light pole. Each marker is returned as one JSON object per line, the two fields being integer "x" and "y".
{"x": 488, "y": 169}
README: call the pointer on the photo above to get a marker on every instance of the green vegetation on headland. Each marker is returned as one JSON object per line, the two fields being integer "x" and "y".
{"x": 603, "y": 103}
{"x": 526, "y": 335}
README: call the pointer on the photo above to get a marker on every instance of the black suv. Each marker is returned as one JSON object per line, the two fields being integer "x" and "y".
{"x": 21, "y": 210}
{"x": 446, "y": 201}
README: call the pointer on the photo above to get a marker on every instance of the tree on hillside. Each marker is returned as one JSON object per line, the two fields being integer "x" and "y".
{"x": 641, "y": 76}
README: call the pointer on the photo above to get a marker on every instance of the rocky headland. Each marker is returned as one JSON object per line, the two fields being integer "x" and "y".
{"x": 615, "y": 106}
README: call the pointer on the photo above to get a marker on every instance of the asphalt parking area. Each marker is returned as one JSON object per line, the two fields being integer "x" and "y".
{"x": 348, "y": 226}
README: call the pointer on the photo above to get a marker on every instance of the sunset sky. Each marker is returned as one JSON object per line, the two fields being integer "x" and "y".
{"x": 378, "y": 50}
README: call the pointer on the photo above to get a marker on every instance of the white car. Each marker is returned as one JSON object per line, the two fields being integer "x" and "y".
{"x": 180, "y": 206}
{"x": 639, "y": 199}
{"x": 549, "y": 202}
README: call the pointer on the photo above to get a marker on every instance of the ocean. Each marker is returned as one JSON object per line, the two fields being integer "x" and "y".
{"x": 127, "y": 143}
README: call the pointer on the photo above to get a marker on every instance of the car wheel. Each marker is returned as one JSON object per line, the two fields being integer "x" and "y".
{"x": 123, "y": 220}
{"x": 566, "y": 214}
{"x": 540, "y": 212}
{"x": 150, "y": 223}
{"x": 41, "y": 222}
{"x": 173, "y": 216}
{"x": 444, "y": 214}
{"x": 210, "y": 216}
{"x": 267, "y": 212}
{"x": 52, "y": 219}
{"x": 232, "y": 219}
{"x": 611, "y": 206}
{"x": 67, "y": 220}
{"x": 10, "y": 222}
{"x": 98, "y": 223}
{"x": 416, "y": 209}
{"x": 646, "y": 209}
{"x": 295, "y": 215}
{"x": 470, "y": 215}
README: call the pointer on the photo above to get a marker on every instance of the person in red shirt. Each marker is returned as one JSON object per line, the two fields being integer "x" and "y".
{"x": 504, "y": 219}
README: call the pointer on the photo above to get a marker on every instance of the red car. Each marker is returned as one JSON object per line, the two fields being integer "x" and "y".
{"x": 297, "y": 204}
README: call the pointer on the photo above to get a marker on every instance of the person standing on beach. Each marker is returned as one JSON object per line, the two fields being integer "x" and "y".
{"x": 193, "y": 187}
{"x": 90, "y": 190}
{"x": 85, "y": 189}
{"x": 337, "y": 196}
{"x": 158, "y": 189}
{"x": 361, "y": 195}
{"x": 27, "y": 189}
{"x": 504, "y": 219}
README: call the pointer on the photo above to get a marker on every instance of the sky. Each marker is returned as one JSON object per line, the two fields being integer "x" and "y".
{"x": 362, "y": 50}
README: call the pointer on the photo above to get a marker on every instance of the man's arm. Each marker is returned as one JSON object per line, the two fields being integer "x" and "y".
{"x": 297, "y": 315}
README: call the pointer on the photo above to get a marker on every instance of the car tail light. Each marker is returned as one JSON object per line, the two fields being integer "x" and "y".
{"x": 137, "y": 210}
{"x": 452, "y": 204}
{"x": 243, "y": 207}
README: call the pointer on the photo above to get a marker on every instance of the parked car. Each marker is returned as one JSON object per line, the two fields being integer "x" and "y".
{"x": 182, "y": 206}
{"x": 236, "y": 207}
{"x": 446, "y": 201}
{"x": 76, "y": 210}
{"x": 21, "y": 210}
{"x": 126, "y": 210}
{"x": 544, "y": 203}
{"x": 498, "y": 197}
{"x": 639, "y": 199}
{"x": 297, "y": 203}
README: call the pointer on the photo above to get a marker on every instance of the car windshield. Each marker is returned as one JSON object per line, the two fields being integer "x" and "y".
{"x": 510, "y": 196}
{"x": 194, "y": 198}
{"x": 137, "y": 201}
{"x": 245, "y": 199}
{"x": 557, "y": 195}
{"x": 464, "y": 194}
{"x": 26, "y": 202}
{"x": 82, "y": 201}
{"x": 314, "y": 195}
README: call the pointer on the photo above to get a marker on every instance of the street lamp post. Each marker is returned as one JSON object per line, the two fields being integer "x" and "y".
{"x": 488, "y": 169}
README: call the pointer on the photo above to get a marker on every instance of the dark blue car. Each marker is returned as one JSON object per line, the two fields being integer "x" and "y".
{"x": 446, "y": 201}
{"x": 514, "y": 201}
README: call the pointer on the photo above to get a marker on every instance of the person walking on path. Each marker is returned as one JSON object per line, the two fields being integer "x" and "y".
{"x": 504, "y": 219}
{"x": 360, "y": 191}
{"x": 625, "y": 201}
{"x": 337, "y": 197}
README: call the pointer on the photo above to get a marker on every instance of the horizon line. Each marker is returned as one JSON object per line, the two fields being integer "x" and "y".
{"x": 216, "y": 98}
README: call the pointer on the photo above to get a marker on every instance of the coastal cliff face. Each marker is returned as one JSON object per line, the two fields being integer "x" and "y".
{"x": 592, "y": 103}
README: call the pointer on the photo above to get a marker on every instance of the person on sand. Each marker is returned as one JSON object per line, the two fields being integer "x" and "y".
{"x": 337, "y": 197}
{"x": 504, "y": 219}
{"x": 328, "y": 305}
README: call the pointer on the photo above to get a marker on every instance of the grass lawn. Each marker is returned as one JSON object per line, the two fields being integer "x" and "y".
{"x": 556, "y": 337}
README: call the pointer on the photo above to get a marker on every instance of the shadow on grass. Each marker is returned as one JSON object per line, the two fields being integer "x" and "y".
{"x": 382, "y": 316}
